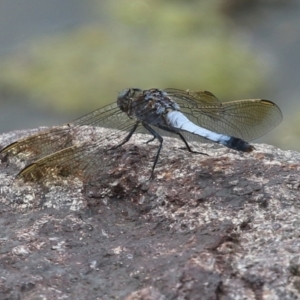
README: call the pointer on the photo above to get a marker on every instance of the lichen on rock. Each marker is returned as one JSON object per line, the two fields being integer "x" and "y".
{"x": 223, "y": 226}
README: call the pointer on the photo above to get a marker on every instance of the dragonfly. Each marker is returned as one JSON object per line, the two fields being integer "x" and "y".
{"x": 188, "y": 115}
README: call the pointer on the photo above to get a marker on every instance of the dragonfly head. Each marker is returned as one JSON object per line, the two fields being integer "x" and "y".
{"x": 126, "y": 97}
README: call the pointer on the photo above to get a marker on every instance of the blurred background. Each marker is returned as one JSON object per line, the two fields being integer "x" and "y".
{"x": 62, "y": 59}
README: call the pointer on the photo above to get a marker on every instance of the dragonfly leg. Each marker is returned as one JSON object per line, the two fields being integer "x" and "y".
{"x": 188, "y": 146}
{"x": 160, "y": 139}
{"x": 127, "y": 138}
{"x": 151, "y": 140}
{"x": 170, "y": 129}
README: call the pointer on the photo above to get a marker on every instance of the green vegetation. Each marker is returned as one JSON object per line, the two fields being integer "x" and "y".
{"x": 158, "y": 43}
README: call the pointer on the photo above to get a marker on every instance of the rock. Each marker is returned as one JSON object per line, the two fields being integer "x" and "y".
{"x": 223, "y": 226}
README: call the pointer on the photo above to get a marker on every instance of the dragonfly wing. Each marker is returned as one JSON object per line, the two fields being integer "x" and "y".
{"x": 192, "y": 98}
{"x": 82, "y": 130}
{"x": 39, "y": 144}
{"x": 83, "y": 160}
{"x": 55, "y": 139}
{"x": 108, "y": 116}
{"x": 245, "y": 119}
{"x": 73, "y": 160}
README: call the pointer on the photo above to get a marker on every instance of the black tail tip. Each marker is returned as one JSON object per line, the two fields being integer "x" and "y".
{"x": 240, "y": 145}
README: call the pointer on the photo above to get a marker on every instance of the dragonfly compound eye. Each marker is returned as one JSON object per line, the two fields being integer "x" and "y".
{"x": 123, "y": 99}
{"x": 126, "y": 97}
{"x": 124, "y": 94}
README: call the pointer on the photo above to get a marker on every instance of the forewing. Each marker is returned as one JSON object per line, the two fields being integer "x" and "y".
{"x": 38, "y": 145}
{"x": 59, "y": 144}
{"x": 82, "y": 161}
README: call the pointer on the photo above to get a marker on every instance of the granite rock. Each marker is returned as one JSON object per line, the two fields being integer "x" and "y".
{"x": 223, "y": 226}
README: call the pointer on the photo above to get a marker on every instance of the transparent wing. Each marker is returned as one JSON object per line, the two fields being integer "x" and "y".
{"x": 63, "y": 162}
{"x": 194, "y": 98}
{"x": 73, "y": 143}
{"x": 245, "y": 119}
{"x": 83, "y": 161}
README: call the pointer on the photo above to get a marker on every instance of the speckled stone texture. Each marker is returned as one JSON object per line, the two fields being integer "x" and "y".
{"x": 223, "y": 226}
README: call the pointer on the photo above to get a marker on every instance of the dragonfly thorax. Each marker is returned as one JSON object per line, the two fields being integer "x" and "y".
{"x": 151, "y": 106}
{"x": 148, "y": 105}
{"x": 160, "y": 100}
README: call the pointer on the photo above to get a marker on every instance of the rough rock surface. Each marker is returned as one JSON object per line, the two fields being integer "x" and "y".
{"x": 223, "y": 226}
